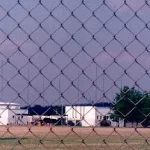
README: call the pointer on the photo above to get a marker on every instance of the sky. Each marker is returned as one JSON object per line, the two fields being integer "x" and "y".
{"x": 48, "y": 47}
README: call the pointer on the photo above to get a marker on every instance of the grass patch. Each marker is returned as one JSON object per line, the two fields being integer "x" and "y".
{"x": 80, "y": 138}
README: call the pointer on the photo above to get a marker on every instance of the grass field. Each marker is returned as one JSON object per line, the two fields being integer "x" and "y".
{"x": 42, "y": 138}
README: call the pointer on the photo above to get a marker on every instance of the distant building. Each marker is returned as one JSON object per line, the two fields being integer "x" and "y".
{"x": 86, "y": 115}
{"x": 11, "y": 113}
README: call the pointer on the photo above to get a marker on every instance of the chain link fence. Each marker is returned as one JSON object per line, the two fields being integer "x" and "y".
{"x": 74, "y": 74}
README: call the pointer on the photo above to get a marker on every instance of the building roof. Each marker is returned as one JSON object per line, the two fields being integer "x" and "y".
{"x": 9, "y": 103}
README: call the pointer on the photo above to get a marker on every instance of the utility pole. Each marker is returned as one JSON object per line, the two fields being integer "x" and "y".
{"x": 28, "y": 87}
{"x": 2, "y": 81}
{"x": 79, "y": 98}
{"x": 43, "y": 90}
{"x": 61, "y": 102}
{"x": 103, "y": 86}
{"x": 121, "y": 82}
{"x": 96, "y": 85}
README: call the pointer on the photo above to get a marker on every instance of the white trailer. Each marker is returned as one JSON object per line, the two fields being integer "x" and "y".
{"x": 87, "y": 115}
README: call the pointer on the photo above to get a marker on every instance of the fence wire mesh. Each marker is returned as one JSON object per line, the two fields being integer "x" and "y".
{"x": 74, "y": 74}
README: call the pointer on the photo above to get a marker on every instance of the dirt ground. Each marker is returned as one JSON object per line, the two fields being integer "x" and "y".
{"x": 45, "y": 137}
{"x": 64, "y": 131}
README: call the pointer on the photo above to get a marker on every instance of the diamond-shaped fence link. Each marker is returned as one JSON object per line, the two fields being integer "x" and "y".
{"x": 74, "y": 74}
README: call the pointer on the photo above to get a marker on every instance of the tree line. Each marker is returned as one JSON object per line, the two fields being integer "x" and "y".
{"x": 44, "y": 110}
{"x": 132, "y": 105}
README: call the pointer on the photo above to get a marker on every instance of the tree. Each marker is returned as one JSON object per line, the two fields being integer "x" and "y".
{"x": 131, "y": 105}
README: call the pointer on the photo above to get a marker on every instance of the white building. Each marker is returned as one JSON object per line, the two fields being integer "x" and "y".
{"x": 11, "y": 113}
{"x": 87, "y": 115}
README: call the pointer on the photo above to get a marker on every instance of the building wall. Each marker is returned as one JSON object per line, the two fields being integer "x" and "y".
{"x": 22, "y": 119}
{"x": 85, "y": 114}
{"x": 17, "y": 116}
{"x": 89, "y": 115}
{"x": 4, "y": 116}
{"x": 8, "y": 116}
{"x": 10, "y": 113}
{"x": 101, "y": 112}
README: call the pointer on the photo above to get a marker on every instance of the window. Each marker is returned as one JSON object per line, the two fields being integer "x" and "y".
{"x": 22, "y": 116}
{"x": 100, "y": 117}
{"x": 13, "y": 117}
{"x": 97, "y": 117}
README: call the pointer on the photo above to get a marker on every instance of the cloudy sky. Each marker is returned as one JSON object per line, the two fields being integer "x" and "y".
{"x": 62, "y": 47}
